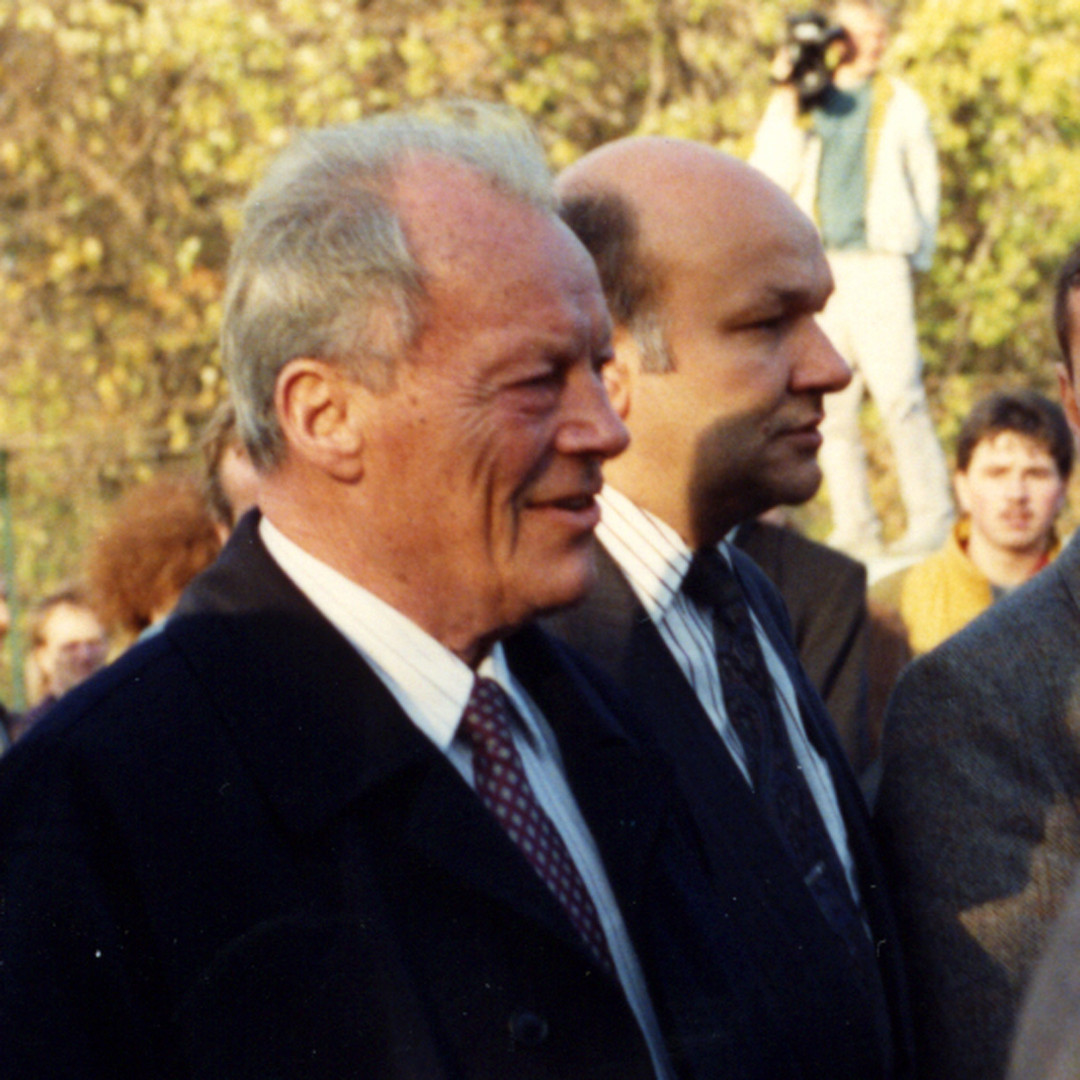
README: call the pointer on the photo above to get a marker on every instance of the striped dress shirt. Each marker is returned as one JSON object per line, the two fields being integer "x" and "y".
{"x": 655, "y": 560}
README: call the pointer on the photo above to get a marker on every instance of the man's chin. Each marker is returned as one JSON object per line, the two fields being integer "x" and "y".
{"x": 570, "y": 587}
{"x": 800, "y": 486}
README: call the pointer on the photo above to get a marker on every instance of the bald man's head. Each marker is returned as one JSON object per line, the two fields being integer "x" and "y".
{"x": 713, "y": 277}
{"x": 636, "y": 204}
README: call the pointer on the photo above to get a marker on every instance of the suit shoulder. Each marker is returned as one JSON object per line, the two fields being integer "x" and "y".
{"x": 1044, "y": 607}
{"x": 112, "y": 696}
{"x": 136, "y": 711}
{"x": 790, "y": 546}
{"x": 792, "y": 560}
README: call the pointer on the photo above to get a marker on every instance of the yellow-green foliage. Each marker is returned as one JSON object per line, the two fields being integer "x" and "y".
{"x": 131, "y": 130}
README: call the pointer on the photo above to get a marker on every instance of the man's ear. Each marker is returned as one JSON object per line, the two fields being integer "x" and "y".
{"x": 1068, "y": 400}
{"x": 960, "y": 486}
{"x": 620, "y": 374}
{"x": 317, "y": 407}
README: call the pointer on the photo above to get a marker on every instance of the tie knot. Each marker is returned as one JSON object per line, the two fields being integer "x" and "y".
{"x": 710, "y": 581}
{"x": 486, "y": 720}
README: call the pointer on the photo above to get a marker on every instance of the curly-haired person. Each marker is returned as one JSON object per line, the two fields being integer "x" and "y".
{"x": 161, "y": 535}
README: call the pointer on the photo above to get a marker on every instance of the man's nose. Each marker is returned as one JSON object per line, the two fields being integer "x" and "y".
{"x": 590, "y": 425}
{"x": 818, "y": 366}
{"x": 1020, "y": 489}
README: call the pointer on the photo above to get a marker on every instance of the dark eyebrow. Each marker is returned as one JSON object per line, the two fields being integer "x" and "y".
{"x": 797, "y": 297}
{"x": 776, "y": 300}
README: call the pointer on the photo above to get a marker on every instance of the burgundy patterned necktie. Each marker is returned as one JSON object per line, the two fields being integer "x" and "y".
{"x": 504, "y": 789}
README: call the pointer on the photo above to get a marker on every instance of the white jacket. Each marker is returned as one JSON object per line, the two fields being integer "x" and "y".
{"x": 904, "y": 186}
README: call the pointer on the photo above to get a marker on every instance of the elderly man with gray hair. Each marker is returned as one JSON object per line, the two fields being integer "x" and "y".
{"x": 349, "y": 814}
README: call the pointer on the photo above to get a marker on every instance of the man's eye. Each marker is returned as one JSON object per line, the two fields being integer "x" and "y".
{"x": 541, "y": 388}
{"x": 544, "y": 379}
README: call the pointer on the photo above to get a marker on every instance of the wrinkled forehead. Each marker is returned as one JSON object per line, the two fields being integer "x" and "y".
{"x": 452, "y": 213}
{"x": 480, "y": 248}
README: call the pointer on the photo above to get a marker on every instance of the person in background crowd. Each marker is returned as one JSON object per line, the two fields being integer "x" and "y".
{"x": 714, "y": 278}
{"x": 351, "y": 814}
{"x": 68, "y": 644}
{"x": 1014, "y": 456}
{"x": 161, "y": 535}
{"x": 861, "y": 160}
{"x": 230, "y": 481}
{"x": 979, "y": 805}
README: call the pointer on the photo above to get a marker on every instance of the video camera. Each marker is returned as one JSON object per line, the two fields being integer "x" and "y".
{"x": 810, "y": 37}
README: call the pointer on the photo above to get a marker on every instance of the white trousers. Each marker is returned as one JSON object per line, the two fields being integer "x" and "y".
{"x": 870, "y": 318}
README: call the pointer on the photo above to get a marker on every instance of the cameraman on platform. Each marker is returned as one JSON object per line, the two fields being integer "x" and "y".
{"x": 853, "y": 146}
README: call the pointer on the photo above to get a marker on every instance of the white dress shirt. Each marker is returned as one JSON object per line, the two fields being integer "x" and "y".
{"x": 433, "y": 686}
{"x": 655, "y": 560}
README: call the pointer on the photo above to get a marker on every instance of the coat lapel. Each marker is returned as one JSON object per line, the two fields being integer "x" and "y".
{"x": 613, "y": 782}
{"x": 448, "y": 828}
{"x": 321, "y": 733}
{"x": 614, "y": 630}
{"x": 750, "y": 861}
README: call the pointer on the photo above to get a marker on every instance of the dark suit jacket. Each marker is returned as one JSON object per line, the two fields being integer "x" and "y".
{"x": 979, "y": 812}
{"x": 230, "y": 855}
{"x": 830, "y": 1023}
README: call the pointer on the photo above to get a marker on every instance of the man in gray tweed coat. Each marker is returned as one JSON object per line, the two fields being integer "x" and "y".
{"x": 979, "y": 806}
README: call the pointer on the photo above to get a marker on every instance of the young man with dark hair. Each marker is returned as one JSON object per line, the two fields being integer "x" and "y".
{"x": 1013, "y": 460}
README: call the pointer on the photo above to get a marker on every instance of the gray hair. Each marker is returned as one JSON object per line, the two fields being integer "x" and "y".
{"x": 322, "y": 267}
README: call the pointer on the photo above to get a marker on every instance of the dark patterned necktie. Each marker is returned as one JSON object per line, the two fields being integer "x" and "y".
{"x": 754, "y": 712}
{"x": 505, "y": 790}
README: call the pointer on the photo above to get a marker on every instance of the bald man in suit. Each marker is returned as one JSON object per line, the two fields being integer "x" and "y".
{"x": 714, "y": 280}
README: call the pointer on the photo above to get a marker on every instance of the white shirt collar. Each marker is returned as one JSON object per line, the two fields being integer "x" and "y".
{"x": 430, "y": 683}
{"x": 652, "y": 555}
